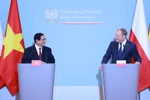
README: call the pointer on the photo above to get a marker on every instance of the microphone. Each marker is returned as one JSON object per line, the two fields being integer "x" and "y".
{"x": 30, "y": 55}
{"x": 46, "y": 57}
{"x": 128, "y": 59}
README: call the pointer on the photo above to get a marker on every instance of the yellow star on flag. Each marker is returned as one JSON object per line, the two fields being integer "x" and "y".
{"x": 12, "y": 41}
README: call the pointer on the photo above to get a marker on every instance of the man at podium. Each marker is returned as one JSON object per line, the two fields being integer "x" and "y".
{"x": 121, "y": 49}
{"x": 38, "y": 51}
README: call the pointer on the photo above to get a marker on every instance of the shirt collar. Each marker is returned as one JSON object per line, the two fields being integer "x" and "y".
{"x": 37, "y": 47}
{"x": 124, "y": 42}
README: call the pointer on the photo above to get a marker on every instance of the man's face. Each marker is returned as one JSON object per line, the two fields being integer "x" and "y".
{"x": 42, "y": 41}
{"x": 119, "y": 36}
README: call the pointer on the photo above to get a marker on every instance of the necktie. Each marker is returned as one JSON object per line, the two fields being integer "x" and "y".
{"x": 120, "y": 50}
{"x": 40, "y": 54}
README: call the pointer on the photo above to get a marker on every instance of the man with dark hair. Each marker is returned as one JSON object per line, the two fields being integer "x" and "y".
{"x": 121, "y": 49}
{"x": 38, "y": 51}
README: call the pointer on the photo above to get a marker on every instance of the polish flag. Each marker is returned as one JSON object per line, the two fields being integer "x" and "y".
{"x": 139, "y": 36}
{"x": 121, "y": 63}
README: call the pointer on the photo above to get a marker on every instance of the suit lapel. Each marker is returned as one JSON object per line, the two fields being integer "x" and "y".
{"x": 36, "y": 54}
{"x": 116, "y": 49}
{"x": 43, "y": 53}
{"x": 126, "y": 46}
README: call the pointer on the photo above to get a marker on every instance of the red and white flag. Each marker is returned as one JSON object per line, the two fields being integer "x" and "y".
{"x": 139, "y": 36}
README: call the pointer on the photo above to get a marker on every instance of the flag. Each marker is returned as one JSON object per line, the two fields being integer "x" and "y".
{"x": 12, "y": 50}
{"x": 139, "y": 36}
{"x": 1, "y": 40}
{"x": 36, "y": 62}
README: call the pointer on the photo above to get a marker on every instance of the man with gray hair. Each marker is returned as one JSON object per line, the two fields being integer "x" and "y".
{"x": 121, "y": 49}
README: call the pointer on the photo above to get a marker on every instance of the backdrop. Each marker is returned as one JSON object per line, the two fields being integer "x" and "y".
{"x": 78, "y": 46}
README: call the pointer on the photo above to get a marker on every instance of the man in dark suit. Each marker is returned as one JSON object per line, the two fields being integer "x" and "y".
{"x": 121, "y": 49}
{"x": 38, "y": 51}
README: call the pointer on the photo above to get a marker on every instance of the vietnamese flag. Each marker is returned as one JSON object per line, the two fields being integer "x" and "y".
{"x": 139, "y": 36}
{"x": 12, "y": 50}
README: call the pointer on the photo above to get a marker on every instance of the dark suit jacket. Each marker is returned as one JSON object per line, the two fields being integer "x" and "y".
{"x": 30, "y": 54}
{"x": 129, "y": 51}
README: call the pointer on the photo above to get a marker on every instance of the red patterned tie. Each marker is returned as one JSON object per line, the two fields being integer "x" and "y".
{"x": 40, "y": 54}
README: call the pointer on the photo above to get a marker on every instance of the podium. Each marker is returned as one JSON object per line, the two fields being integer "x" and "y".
{"x": 36, "y": 82}
{"x": 120, "y": 82}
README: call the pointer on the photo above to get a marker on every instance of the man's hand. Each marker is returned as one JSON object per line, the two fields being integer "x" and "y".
{"x": 42, "y": 62}
{"x": 137, "y": 62}
{"x": 100, "y": 68}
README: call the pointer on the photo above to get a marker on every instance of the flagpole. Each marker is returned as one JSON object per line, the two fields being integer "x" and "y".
{"x": 138, "y": 96}
{"x": 17, "y": 97}
{"x": 101, "y": 90}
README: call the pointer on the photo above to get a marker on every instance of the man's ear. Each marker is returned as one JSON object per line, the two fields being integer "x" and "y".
{"x": 36, "y": 40}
